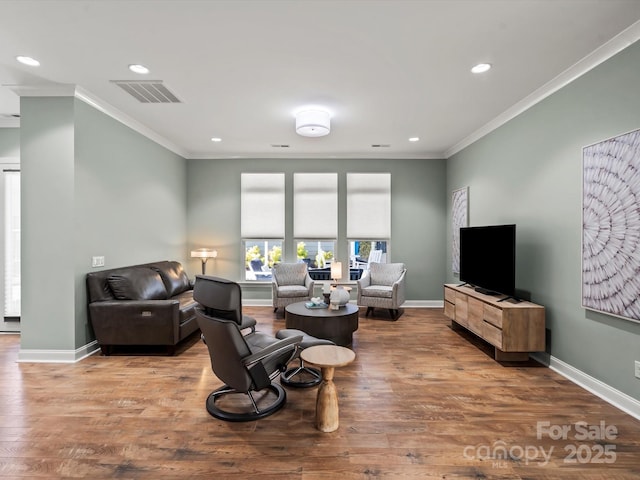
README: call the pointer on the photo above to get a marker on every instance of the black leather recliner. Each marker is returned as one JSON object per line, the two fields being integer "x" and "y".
{"x": 245, "y": 363}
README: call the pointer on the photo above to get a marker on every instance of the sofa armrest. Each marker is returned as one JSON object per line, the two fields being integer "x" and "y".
{"x": 309, "y": 283}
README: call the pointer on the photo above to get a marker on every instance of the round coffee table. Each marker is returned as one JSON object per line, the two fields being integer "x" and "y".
{"x": 335, "y": 325}
{"x": 328, "y": 358}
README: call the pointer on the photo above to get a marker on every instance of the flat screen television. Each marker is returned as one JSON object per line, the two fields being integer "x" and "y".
{"x": 488, "y": 258}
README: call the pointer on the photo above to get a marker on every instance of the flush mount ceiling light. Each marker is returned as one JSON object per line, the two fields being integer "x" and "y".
{"x": 137, "y": 68}
{"x": 313, "y": 123}
{"x": 414, "y": 139}
{"x": 32, "y": 62}
{"x": 216, "y": 139}
{"x": 481, "y": 68}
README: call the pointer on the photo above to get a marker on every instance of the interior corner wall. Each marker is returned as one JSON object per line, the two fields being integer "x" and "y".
{"x": 47, "y": 246}
{"x": 91, "y": 186}
{"x": 418, "y": 214}
{"x": 529, "y": 172}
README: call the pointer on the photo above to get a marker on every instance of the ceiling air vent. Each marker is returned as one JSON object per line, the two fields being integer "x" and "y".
{"x": 381, "y": 145}
{"x": 279, "y": 145}
{"x": 148, "y": 91}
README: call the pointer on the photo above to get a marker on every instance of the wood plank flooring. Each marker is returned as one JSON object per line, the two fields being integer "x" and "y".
{"x": 420, "y": 401}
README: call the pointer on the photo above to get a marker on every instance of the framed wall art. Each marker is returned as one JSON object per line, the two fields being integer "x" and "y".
{"x": 611, "y": 226}
{"x": 459, "y": 218}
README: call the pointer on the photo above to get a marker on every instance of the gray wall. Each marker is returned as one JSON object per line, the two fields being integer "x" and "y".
{"x": 418, "y": 214}
{"x": 91, "y": 186}
{"x": 9, "y": 143}
{"x": 130, "y": 203}
{"x": 529, "y": 172}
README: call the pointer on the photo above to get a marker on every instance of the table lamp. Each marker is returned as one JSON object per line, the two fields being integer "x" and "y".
{"x": 204, "y": 254}
{"x": 336, "y": 271}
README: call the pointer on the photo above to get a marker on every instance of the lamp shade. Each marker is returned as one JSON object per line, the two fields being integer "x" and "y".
{"x": 336, "y": 270}
{"x": 204, "y": 253}
{"x": 313, "y": 123}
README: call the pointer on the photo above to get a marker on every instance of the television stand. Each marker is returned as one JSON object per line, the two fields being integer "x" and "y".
{"x": 508, "y": 297}
{"x": 486, "y": 292}
{"x": 514, "y": 329}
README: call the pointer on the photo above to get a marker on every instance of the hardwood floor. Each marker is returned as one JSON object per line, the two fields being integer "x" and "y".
{"x": 419, "y": 401}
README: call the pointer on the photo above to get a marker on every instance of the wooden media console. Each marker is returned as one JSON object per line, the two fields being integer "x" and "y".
{"x": 513, "y": 328}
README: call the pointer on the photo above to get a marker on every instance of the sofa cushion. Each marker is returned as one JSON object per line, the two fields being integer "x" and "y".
{"x": 174, "y": 277}
{"x": 293, "y": 291}
{"x": 137, "y": 284}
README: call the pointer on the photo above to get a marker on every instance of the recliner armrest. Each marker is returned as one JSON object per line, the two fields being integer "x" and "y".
{"x": 248, "y": 322}
{"x": 277, "y": 347}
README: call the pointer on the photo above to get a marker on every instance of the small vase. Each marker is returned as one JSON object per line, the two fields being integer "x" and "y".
{"x": 339, "y": 298}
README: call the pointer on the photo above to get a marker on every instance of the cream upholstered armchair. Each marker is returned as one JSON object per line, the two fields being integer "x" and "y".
{"x": 383, "y": 287}
{"x": 291, "y": 283}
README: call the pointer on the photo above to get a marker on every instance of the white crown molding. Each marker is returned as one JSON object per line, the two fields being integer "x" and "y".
{"x": 123, "y": 118}
{"x": 609, "y": 394}
{"x": 55, "y": 90}
{"x": 69, "y": 90}
{"x": 618, "y": 43}
{"x": 57, "y": 356}
{"x": 319, "y": 156}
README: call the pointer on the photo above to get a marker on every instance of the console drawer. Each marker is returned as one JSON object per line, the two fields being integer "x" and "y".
{"x": 449, "y": 310}
{"x": 449, "y": 295}
{"x": 493, "y": 315}
{"x": 492, "y": 334}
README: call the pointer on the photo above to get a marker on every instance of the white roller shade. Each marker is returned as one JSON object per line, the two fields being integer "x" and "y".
{"x": 12, "y": 243}
{"x": 368, "y": 205}
{"x": 315, "y": 205}
{"x": 262, "y": 204}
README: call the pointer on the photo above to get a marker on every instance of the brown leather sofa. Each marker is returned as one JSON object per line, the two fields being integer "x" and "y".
{"x": 147, "y": 304}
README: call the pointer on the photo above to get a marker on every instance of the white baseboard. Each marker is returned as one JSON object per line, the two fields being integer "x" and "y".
{"x": 423, "y": 304}
{"x": 266, "y": 302}
{"x": 609, "y": 394}
{"x": 57, "y": 356}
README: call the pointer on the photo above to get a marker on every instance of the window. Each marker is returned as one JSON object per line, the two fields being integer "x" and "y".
{"x": 364, "y": 252}
{"x": 262, "y": 223}
{"x": 368, "y": 218}
{"x": 369, "y": 205}
{"x": 315, "y": 253}
{"x": 259, "y": 257}
{"x": 11, "y": 243}
{"x": 315, "y": 205}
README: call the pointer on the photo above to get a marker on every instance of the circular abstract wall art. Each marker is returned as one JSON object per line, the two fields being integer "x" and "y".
{"x": 459, "y": 209}
{"x": 611, "y": 226}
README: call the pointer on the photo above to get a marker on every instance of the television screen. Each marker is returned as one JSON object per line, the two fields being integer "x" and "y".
{"x": 488, "y": 258}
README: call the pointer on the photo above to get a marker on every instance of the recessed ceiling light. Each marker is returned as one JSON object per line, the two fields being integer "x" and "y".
{"x": 136, "y": 68}
{"x": 216, "y": 139}
{"x": 414, "y": 139}
{"x": 32, "y": 62}
{"x": 481, "y": 68}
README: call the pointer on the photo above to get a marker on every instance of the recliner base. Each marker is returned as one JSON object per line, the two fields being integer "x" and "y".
{"x": 287, "y": 377}
{"x": 217, "y": 412}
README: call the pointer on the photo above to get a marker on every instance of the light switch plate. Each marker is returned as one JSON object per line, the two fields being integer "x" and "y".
{"x": 97, "y": 261}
